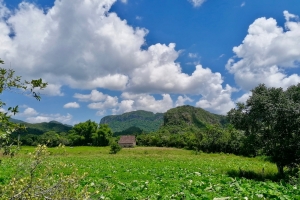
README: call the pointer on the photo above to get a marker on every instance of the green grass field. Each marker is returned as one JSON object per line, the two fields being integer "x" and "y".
{"x": 163, "y": 173}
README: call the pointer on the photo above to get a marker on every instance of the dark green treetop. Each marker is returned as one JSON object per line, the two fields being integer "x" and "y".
{"x": 271, "y": 117}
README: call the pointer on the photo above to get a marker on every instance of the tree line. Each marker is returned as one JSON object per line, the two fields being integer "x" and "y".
{"x": 87, "y": 133}
{"x": 211, "y": 139}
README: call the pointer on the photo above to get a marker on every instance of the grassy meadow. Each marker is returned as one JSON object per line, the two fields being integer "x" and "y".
{"x": 161, "y": 173}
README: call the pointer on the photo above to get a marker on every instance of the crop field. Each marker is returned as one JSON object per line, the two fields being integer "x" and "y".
{"x": 163, "y": 173}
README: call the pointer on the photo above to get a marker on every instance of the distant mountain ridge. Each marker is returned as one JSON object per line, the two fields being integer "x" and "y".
{"x": 135, "y": 121}
{"x": 40, "y": 128}
{"x": 175, "y": 120}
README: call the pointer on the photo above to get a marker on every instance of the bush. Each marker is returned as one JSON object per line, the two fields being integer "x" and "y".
{"x": 115, "y": 148}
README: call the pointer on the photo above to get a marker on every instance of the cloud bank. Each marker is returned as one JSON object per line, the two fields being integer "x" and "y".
{"x": 267, "y": 53}
{"x": 72, "y": 105}
{"x": 92, "y": 48}
{"x": 32, "y": 116}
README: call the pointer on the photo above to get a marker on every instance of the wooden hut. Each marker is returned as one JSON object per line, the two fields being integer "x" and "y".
{"x": 127, "y": 141}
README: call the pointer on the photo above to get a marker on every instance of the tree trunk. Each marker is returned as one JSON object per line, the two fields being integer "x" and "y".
{"x": 280, "y": 170}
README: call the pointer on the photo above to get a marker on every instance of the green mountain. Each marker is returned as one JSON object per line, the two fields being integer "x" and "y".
{"x": 189, "y": 118}
{"x": 176, "y": 120}
{"x": 40, "y": 128}
{"x": 16, "y": 121}
{"x": 133, "y": 122}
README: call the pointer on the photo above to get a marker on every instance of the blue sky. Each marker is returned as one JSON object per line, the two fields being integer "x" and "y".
{"x": 103, "y": 57}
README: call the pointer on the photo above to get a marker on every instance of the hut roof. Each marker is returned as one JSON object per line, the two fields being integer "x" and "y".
{"x": 125, "y": 139}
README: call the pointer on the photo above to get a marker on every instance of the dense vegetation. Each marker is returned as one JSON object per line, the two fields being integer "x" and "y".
{"x": 137, "y": 121}
{"x": 211, "y": 139}
{"x": 53, "y": 133}
{"x": 196, "y": 129}
{"x": 270, "y": 118}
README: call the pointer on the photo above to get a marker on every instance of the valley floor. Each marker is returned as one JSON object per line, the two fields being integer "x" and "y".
{"x": 163, "y": 173}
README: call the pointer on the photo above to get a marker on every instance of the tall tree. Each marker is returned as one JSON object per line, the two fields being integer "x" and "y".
{"x": 85, "y": 131}
{"x": 271, "y": 117}
{"x": 102, "y": 135}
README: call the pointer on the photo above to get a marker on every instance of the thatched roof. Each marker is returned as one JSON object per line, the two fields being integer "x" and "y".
{"x": 127, "y": 139}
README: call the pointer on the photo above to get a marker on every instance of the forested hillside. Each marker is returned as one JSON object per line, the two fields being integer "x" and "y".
{"x": 175, "y": 120}
{"x": 133, "y": 122}
{"x": 184, "y": 118}
{"x": 40, "y": 128}
{"x": 194, "y": 128}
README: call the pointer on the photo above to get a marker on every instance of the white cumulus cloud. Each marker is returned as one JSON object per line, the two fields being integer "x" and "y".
{"x": 243, "y": 98}
{"x": 193, "y": 55}
{"x": 94, "y": 96}
{"x": 181, "y": 100}
{"x": 83, "y": 48}
{"x": 65, "y": 119}
{"x": 266, "y": 53}
{"x": 196, "y": 3}
{"x": 108, "y": 103}
{"x": 30, "y": 112}
{"x": 52, "y": 90}
{"x": 128, "y": 102}
{"x": 96, "y": 50}
{"x": 220, "y": 103}
{"x": 32, "y": 116}
{"x": 72, "y": 105}
{"x": 146, "y": 102}
{"x": 91, "y": 48}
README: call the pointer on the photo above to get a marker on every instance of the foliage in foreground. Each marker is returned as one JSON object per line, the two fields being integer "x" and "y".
{"x": 35, "y": 179}
{"x": 10, "y": 82}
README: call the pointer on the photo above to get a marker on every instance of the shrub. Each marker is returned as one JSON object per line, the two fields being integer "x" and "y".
{"x": 115, "y": 148}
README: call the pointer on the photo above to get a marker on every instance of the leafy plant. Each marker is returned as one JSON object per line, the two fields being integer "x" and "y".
{"x": 114, "y": 148}
{"x": 35, "y": 179}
